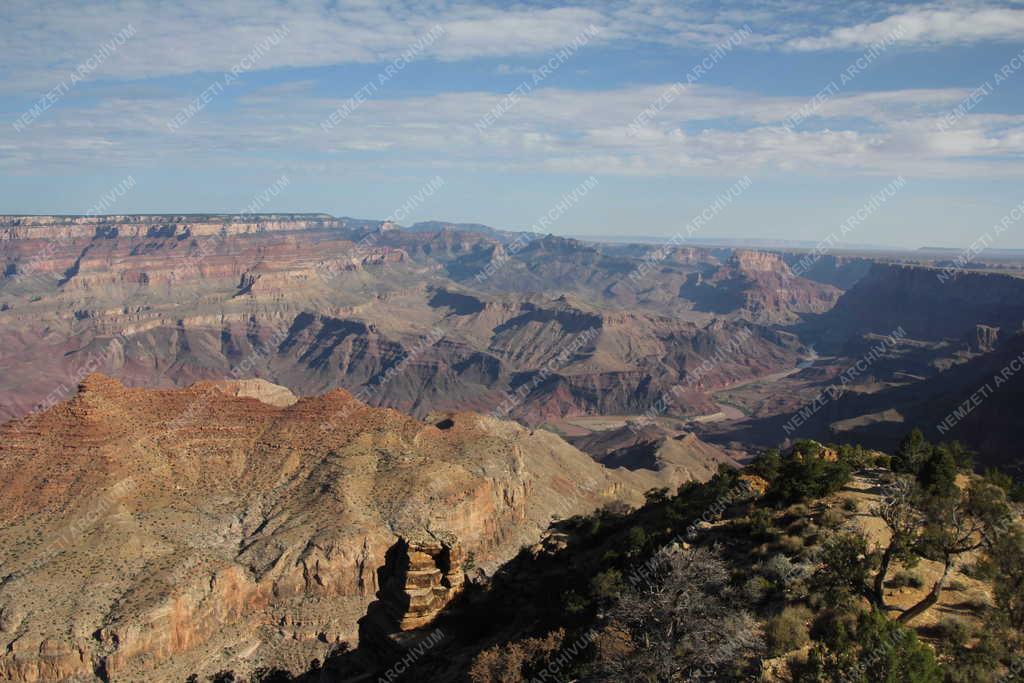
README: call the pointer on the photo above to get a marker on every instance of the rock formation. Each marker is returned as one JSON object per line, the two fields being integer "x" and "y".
{"x": 149, "y": 534}
{"x": 398, "y": 317}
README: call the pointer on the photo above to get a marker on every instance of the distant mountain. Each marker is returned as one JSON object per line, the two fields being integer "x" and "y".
{"x": 437, "y": 226}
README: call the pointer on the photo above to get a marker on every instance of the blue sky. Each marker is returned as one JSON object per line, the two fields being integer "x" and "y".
{"x": 126, "y": 83}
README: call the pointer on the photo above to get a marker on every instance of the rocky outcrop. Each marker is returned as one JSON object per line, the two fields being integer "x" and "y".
{"x": 260, "y": 389}
{"x": 420, "y": 577}
{"x": 983, "y": 338}
{"x": 761, "y": 285}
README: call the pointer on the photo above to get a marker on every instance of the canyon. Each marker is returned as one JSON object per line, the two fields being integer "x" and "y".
{"x": 417, "y": 320}
{"x": 240, "y": 441}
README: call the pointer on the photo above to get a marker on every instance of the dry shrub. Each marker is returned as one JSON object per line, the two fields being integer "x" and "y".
{"x": 506, "y": 662}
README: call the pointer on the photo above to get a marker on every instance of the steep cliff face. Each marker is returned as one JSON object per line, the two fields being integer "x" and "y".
{"x": 148, "y": 534}
{"x": 839, "y": 271}
{"x": 762, "y": 286}
{"x": 925, "y": 306}
{"x": 163, "y": 226}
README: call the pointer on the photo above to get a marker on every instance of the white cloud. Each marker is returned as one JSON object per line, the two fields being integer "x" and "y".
{"x": 926, "y": 26}
{"x": 705, "y": 131}
{"x": 46, "y": 39}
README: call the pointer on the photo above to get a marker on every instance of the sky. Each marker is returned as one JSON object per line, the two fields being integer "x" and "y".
{"x": 353, "y": 107}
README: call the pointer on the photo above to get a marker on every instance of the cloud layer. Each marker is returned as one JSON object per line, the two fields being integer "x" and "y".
{"x": 44, "y": 40}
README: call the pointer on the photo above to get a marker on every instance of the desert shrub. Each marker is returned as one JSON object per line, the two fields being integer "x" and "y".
{"x": 798, "y": 511}
{"x": 904, "y": 579}
{"x": 656, "y": 496}
{"x": 997, "y": 478}
{"x": 874, "y": 650}
{"x": 956, "y": 585}
{"x": 845, "y": 567}
{"x": 766, "y": 466}
{"x": 757, "y": 589}
{"x": 984, "y": 569}
{"x": 270, "y": 675}
{"x": 575, "y": 603}
{"x": 807, "y": 447}
{"x": 761, "y": 525}
{"x": 514, "y": 662}
{"x": 979, "y": 663}
{"x": 797, "y": 526}
{"x": 811, "y": 534}
{"x": 831, "y": 518}
{"x": 607, "y": 585}
{"x": 788, "y": 630}
{"x": 1017, "y": 492}
{"x": 636, "y": 540}
{"x": 829, "y": 624}
{"x": 954, "y": 632}
{"x": 790, "y": 545}
{"x": 850, "y": 505}
{"x": 781, "y": 570}
{"x": 855, "y": 456}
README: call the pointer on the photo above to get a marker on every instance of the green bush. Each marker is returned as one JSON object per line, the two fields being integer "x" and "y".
{"x": 607, "y": 585}
{"x": 761, "y": 525}
{"x": 976, "y": 603}
{"x": 766, "y": 466}
{"x": 855, "y": 456}
{"x": 874, "y": 650}
{"x": 805, "y": 476}
{"x": 636, "y": 540}
{"x": 845, "y": 567}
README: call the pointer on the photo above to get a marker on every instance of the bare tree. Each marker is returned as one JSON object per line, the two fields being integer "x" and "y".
{"x": 688, "y": 623}
{"x": 901, "y": 514}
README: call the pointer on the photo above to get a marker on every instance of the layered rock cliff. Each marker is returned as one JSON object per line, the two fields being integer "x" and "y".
{"x": 147, "y": 534}
{"x": 927, "y": 303}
